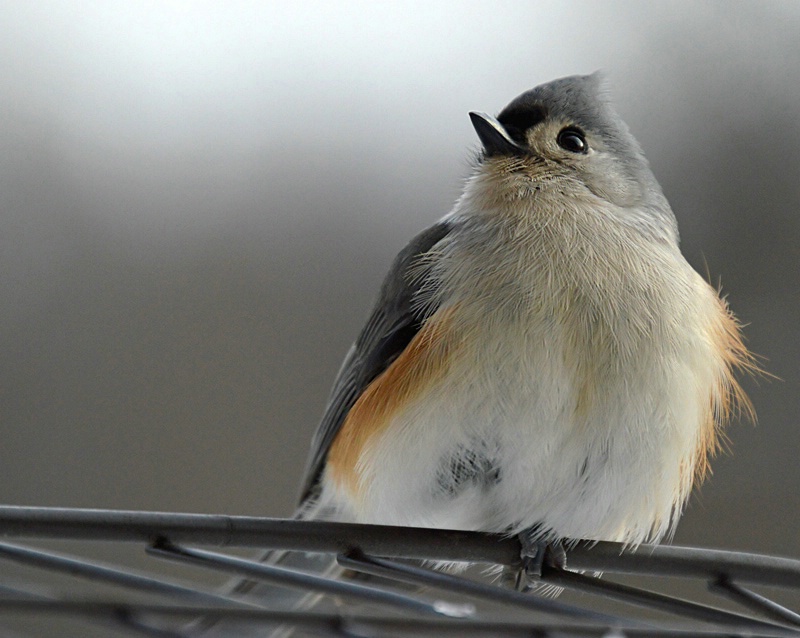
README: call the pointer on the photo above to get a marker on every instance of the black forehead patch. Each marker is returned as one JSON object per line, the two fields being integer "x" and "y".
{"x": 578, "y": 99}
{"x": 517, "y": 119}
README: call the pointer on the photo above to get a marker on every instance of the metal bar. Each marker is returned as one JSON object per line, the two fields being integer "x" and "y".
{"x": 668, "y": 560}
{"x": 652, "y": 600}
{"x": 756, "y": 602}
{"x": 438, "y": 626}
{"x": 358, "y": 561}
{"x": 290, "y": 578}
{"x": 106, "y": 573}
{"x": 386, "y": 541}
{"x": 13, "y": 593}
{"x": 125, "y": 620}
{"x": 246, "y": 531}
{"x": 9, "y": 591}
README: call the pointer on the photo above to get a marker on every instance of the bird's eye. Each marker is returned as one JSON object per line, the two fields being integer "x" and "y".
{"x": 572, "y": 140}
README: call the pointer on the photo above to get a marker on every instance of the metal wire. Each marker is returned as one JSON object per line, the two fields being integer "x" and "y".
{"x": 383, "y": 551}
{"x": 410, "y": 574}
{"x": 334, "y": 622}
{"x": 247, "y": 531}
{"x": 756, "y": 602}
{"x": 291, "y": 578}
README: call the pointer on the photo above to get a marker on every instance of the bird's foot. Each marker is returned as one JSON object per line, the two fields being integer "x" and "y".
{"x": 536, "y": 554}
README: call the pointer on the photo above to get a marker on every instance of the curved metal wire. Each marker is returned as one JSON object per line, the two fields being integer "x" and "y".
{"x": 474, "y": 607}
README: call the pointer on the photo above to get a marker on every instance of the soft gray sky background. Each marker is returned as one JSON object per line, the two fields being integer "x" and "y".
{"x": 198, "y": 201}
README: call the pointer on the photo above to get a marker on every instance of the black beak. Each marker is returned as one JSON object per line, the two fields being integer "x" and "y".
{"x": 494, "y": 137}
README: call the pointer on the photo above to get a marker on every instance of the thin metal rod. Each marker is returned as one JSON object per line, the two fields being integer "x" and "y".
{"x": 246, "y": 531}
{"x": 289, "y": 578}
{"x": 390, "y": 542}
{"x": 126, "y": 620}
{"x": 670, "y": 560}
{"x": 105, "y": 573}
{"x": 336, "y": 622}
{"x": 652, "y": 600}
{"x": 413, "y": 575}
{"x": 756, "y": 602}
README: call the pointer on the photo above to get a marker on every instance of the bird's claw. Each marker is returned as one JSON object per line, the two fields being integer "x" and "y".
{"x": 536, "y": 556}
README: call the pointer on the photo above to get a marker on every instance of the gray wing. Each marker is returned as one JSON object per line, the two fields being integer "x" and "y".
{"x": 391, "y": 326}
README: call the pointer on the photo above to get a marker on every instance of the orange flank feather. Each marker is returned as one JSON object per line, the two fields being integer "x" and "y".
{"x": 728, "y": 396}
{"x": 408, "y": 377}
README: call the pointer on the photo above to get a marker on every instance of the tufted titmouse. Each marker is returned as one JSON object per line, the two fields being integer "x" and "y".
{"x": 543, "y": 358}
{"x": 542, "y": 361}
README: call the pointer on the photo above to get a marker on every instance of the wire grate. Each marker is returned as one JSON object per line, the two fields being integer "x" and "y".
{"x": 144, "y": 603}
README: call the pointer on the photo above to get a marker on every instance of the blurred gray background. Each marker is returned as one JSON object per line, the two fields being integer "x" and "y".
{"x": 198, "y": 201}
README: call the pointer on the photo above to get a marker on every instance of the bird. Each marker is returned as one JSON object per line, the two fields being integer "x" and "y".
{"x": 542, "y": 362}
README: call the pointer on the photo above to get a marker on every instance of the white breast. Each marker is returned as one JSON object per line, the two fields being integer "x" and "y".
{"x": 576, "y": 403}
{"x": 615, "y": 472}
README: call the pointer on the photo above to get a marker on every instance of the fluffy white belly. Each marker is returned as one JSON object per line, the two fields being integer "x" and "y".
{"x": 510, "y": 438}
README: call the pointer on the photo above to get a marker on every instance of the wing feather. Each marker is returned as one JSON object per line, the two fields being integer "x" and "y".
{"x": 394, "y": 321}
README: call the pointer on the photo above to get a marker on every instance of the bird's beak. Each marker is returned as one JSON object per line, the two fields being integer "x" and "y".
{"x": 495, "y": 139}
